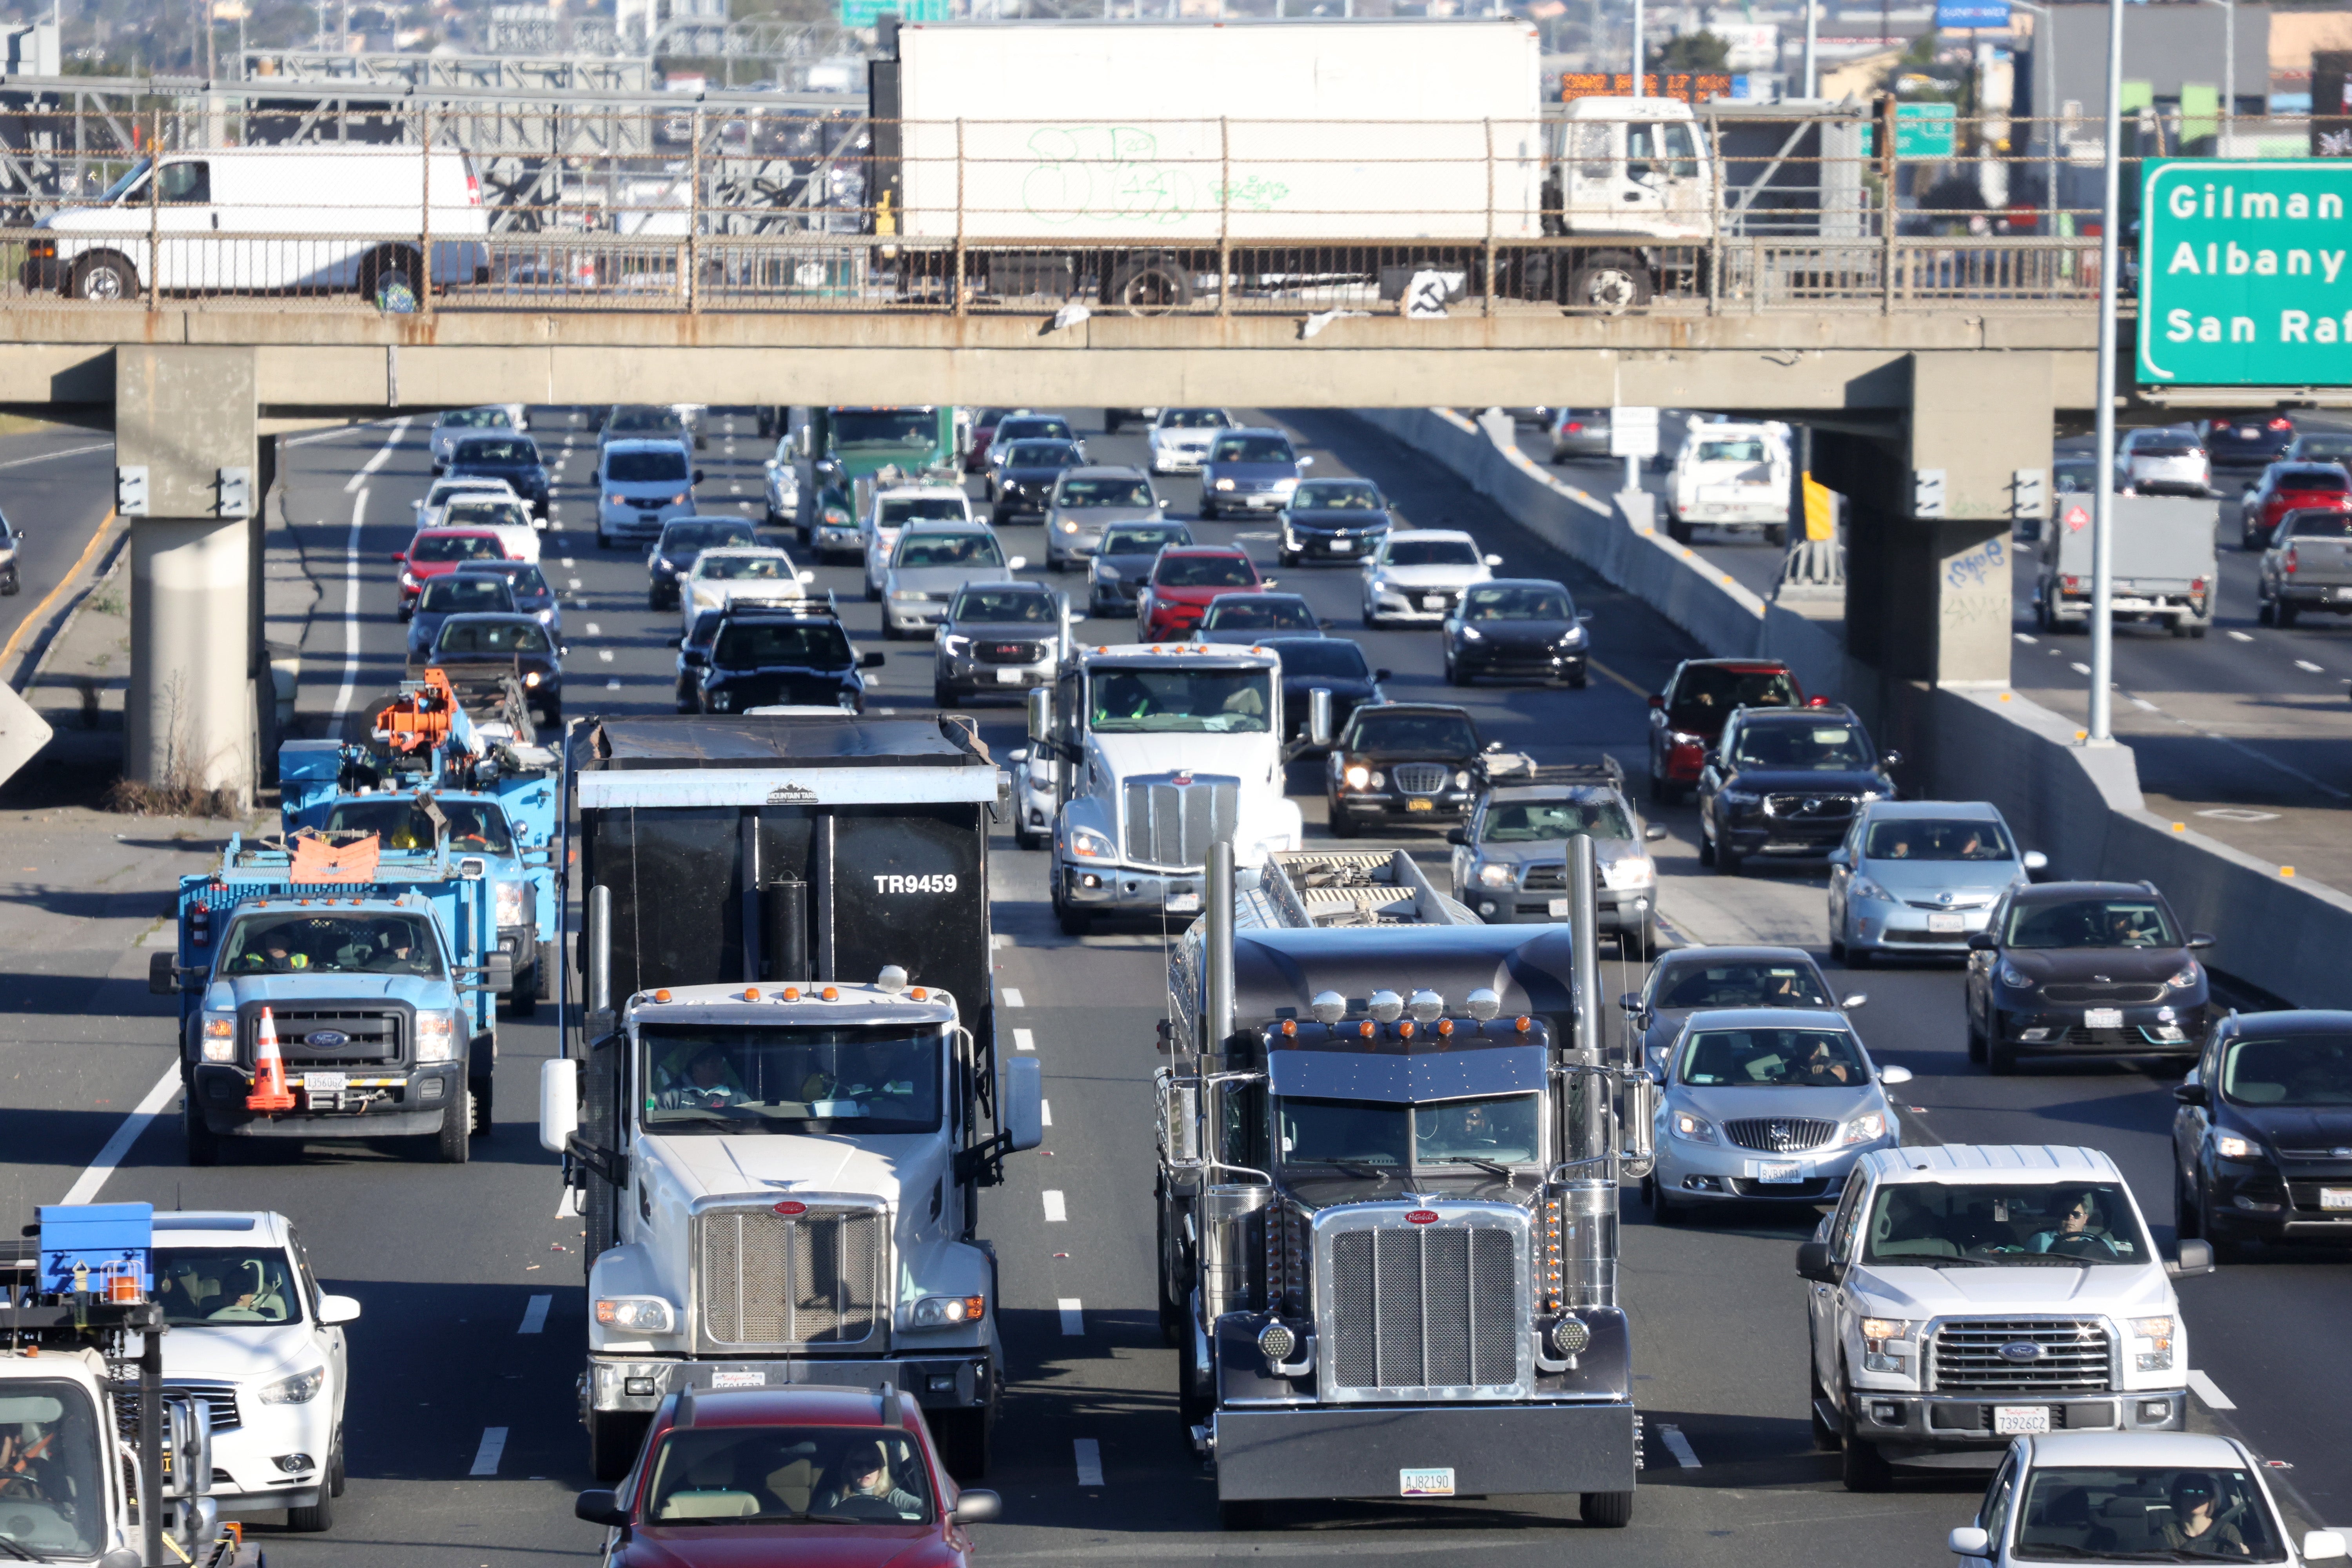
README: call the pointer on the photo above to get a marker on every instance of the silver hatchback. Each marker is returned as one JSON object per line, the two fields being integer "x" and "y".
{"x": 1088, "y": 500}
{"x": 1921, "y": 876}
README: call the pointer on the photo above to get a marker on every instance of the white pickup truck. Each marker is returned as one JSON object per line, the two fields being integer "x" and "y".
{"x": 1962, "y": 1296}
{"x": 1730, "y": 475}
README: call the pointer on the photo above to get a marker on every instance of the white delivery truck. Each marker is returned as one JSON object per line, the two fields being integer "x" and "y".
{"x": 330, "y": 219}
{"x": 1325, "y": 160}
{"x": 1732, "y": 476}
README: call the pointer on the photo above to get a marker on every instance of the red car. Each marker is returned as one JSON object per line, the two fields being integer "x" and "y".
{"x": 2284, "y": 488}
{"x": 436, "y": 553}
{"x": 983, "y": 431}
{"x": 1687, "y": 718}
{"x": 818, "y": 1476}
{"x": 1183, "y": 580}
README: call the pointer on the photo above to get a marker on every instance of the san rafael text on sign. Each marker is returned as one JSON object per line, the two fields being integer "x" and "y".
{"x": 2243, "y": 280}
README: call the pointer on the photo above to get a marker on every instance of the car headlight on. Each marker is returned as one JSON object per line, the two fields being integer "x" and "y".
{"x": 616, "y": 499}
{"x": 908, "y": 595}
{"x": 1572, "y": 637}
{"x": 1883, "y": 1343}
{"x": 1067, "y": 526}
{"x": 2151, "y": 1342}
{"x": 1691, "y": 1129}
{"x": 1224, "y": 484}
{"x": 300, "y": 1389}
{"x": 1867, "y": 1128}
{"x": 640, "y": 1314}
{"x": 1471, "y": 634}
{"x": 544, "y": 617}
{"x": 664, "y": 564}
{"x": 955, "y": 642}
{"x": 436, "y": 1036}
{"x": 1356, "y": 776}
{"x": 2189, "y": 977}
{"x": 2009, "y": 974}
{"x": 510, "y": 902}
{"x": 531, "y": 678}
{"x": 1864, "y": 889}
{"x": 407, "y": 578}
{"x": 680, "y": 499}
{"x": 942, "y": 1311}
{"x": 1629, "y": 872}
{"x": 1085, "y": 843}
{"x": 1496, "y": 875}
{"x": 836, "y": 518}
{"x": 220, "y": 1038}
{"x": 2230, "y": 1146}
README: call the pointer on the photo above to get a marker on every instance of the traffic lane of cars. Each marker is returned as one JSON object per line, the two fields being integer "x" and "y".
{"x": 56, "y": 486}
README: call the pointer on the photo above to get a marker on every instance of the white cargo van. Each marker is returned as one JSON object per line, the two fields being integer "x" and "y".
{"x": 1730, "y": 475}
{"x": 269, "y": 220}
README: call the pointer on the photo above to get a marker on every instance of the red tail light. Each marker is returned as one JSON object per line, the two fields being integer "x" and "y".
{"x": 2071, "y": 584}
{"x": 2291, "y": 564}
{"x": 2281, "y": 423}
{"x": 2197, "y": 585}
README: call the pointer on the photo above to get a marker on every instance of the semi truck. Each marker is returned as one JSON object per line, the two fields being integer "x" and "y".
{"x": 840, "y": 452}
{"x": 1390, "y": 1143}
{"x": 336, "y": 992}
{"x": 780, "y": 1092}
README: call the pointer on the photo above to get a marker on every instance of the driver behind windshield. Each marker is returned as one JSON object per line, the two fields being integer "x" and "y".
{"x": 707, "y": 1084}
{"x": 2078, "y": 1215}
{"x": 863, "y": 1477}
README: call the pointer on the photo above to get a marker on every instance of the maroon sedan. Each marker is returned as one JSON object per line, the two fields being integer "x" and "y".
{"x": 1183, "y": 580}
{"x": 818, "y": 1476}
{"x": 1687, "y": 718}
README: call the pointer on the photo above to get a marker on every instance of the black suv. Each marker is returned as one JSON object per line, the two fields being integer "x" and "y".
{"x": 1785, "y": 782}
{"x": 514, "y": 459}
{"x": 2084, "y": 969}
{"x": 774, "y": 655}
{"x": 683, "y": 540}
{"x": 1405, "y": 762}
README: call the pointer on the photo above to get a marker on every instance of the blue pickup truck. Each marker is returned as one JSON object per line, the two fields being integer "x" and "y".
{"x": 377, "y": 979}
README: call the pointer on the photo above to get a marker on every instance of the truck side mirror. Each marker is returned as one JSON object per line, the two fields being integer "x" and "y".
{"x": 600, "y": 1508}
{"x": 1024, "y": 1103}
{"x": 498, "y": 971}
{"x": 2196, "y": 1257}
{"x": 1041, "y": 713}
{"x": 1319, "y": 717}
{"x": 1813, "y": 1262}
{"x": 559, "y": 1103}
{"x": 164, "y": 974}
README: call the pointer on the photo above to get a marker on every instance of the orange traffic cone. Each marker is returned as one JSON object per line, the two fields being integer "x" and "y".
{"x": 269, "y": 1090}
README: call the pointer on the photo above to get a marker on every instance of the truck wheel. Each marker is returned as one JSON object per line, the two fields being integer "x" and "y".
{"x": 523, "y": 1000}
{"x": 1240, "y": 1514}
{"x": 1074, "y": 921}
{"x": 963, "y": 1441}
{"x": 477, "y": 1091}
{"x": 1192, "y": 1408}
{"x": 203, "y": 1144}
{"x": 1151, "y": 287}
{"x": 2285, "y": 613}
{"x": 614, "y": 1438}
{"x": 1343, "y": 825}
{"x": 1865, "y": 1468}
{"x": 942, "y": 695}
{"x": 457, "y": 1125}
{"x": 1776, "y": 534}
{"x": 105, "y": 276}
{"x": 1607, "y": 1511}
{"x": 542, "y": 973}
{"x": 316, "y": 1519}
{"x": 1610, "y": 284}
{"x": 1677, "y": 529}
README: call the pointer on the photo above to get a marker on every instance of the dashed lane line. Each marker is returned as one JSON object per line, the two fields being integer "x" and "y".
{"x": 2242, "y": 636}
{"x": 1045, "y": 1112}
{"x": 2204, "y": 1388}
{"x": 486, "y": 1457}
{"x": 2306, "y": 665}
{"x": 1056, "y": 1211}
{"x": 86, "y": 1186}
{"x": 1088, "y": 1452}
{"x": 351, "y": 604}
{"x": 2078, "y": 667}
{"x": 52, "y": 457}
{"x": 534, "y": 1314}
{"x": 1073, "y": 1316}
{"x": 1023, "y": 1041}
{"x": 1013, "y": 997}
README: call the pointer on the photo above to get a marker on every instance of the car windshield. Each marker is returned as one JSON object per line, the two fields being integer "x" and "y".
{"x": 713, "y": 1476}
{"x": 525, "y": 581}
{"x": 1432, "y": 553}
{"x": 1205, "y": 572}
{"x": 1252, "y": 450}
{"x": 816, "y": 644}
{"x": 2174, "y": 448}
{"x": 1758, "y": 984}
{"x": 2327, "y": 481}
{"x": 50, "y": 1452}
{"x": 1007, "y": 606}
{"x": 1822, "y": 746}
{"x": 1706, "y": 694}
{"x": 1743, "y": 449}
{"x": 1193, "y": 419}
{"x": 1378, "y": 734}
{"x": 1934, "y": 1225}
{"x": 2126, "y": 921}
{"x": 884, "y": 427}
{"x": 475, "y": 419}
{"x": 207, "y": 1286}
{"x": 925, "y": 549}
{"x": 1040, "y": 455}
{"x": 2300, "y": 1070}
{"x": 1516, "y": 604}
{"x": 270, "y": 943}
{"x": 659, "y": 465}
{"x": 1539, "y": 821}
{"x": 2072, "y": 476}
{"x": 1235, "y": 614}
{"x": 1505, "y": 1129}
{"x": 1922, "y": 838}
{"x": 446, "y": 493}
{"x": 505, "y": 452}
{"x": 1773, "y": 1059}
{"x": 639, "y": 421}
{"x": 881, "y": 1077}
{"x": 1337, "y": 495}
{"x": 1145, "y": 540}
{"x": 1335, "y": 659}
{"x": 2335, "y": 447}
{"x": 2074, "y": 1514}
{"x": 678, "y": 537}
{"x": 403, "y": 822}
{"x": 743, "y": 568}
{"x": 457, "y": 592}
{"x": 2320, "y": 525}
{"x": 898, "y": 510}
{"x": 1076, "y": 492}
{"x": 1033, "y": 425}
{"x": 434, "y": 548}
{"x": 485, "y": 514}
{"x": 1188, "y": 699}
{"x": 496, "y": 639}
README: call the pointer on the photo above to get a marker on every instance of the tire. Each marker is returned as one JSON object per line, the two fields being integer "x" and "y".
{"x": 2286, "y": 614}
{"x": 1837, "y": 947}
{"x": 1865, "y": 1468}
{"x": 2197, "y": 632}
{"x": 542, "y": 971}
{"x": 1858, "y": 957}
{"x": 2001, "y": 1057}
{"x": 1282, "y": 558}
{"x": 1237, "y": 1513}
{"x": 874, "y": 596}
{"x": 1677, "y": 529}
{"x": 1110, "y": 421}
{"x": 1976, "y": 1052}
{"x": 943, "y": 697}
{"x": 203, "y": 1144}
{"x": 1208, "y": 510}
{"x": 522, "y": 1001}
{"x": 1579, "y": 681}
{"x": 1705, "y": 846}
{"x": 1776, "y": 534}
{"x": 1610, "y": 284}
{"x": 1606, "y": 1510}
{"x": 963, "y": 1439}
{"x": 1151, "y": 286}
{"x": 2188, "y": 1213}
{"x": 1726, "y": 860}
{"x": 1191, "y": 1408}
{"x": 103, "y": 275}
{"x": 453, "y": 1142}
{"x": 1074, "y": 921}
{"x": 614, "y": 1438}
{"x": 1343, "y": 825}
{"x": 316, "y": 1519}
{"x": 1663, "y": 1211}
{"x": 1453, "y": 674}
{"x": 388, "y": 280}
{"x": 337, "y": 1480}
{"x": 479, "y": 1092}
{"x": 603, "y": 539}
{"x": 1171, "y": 1315}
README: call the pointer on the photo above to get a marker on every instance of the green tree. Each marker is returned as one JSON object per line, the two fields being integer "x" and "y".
{"x": 1692, "y": 52}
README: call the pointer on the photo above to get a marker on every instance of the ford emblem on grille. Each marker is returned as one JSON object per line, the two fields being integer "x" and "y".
{"x": 325, "y": 1039}
{"x": 2021, "y": 1351}
{"x": 791, "y": 1207}
{"x": 1420, "y": 1217}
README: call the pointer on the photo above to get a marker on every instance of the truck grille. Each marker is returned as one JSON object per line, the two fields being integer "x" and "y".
{"x": 2074, "y": 1356}
{"x": 1809, "y": 808}
{"x": 2128, "y": 996}
{"x": 1780, "y": 1134}
{"x": 1419, "y": 778}
{"x": 1544, "y": 878}
{"x": 371, "y": 1035}
{"x": 1412, "y": 1310}
{"x": 1009, "y": 652}
{"x": 1172, "y": 818}
{"x": 762, "y": 1279}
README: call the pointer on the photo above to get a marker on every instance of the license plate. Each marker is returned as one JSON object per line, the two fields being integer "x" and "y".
{"x": 326, "y": 1082}
{"x": 650, "y": 519}
{"x": 1777, "y": 1170}
{"x": 2250, "y": 434}
{"x": 1011, "y": 676}
{"x": 1558, "y": 908}
{"x": 1421, "y": 806}
{"x": 1432, "y": 600}
{"x": 2336, "y": 1197}
{"x": 1342, "y": 546}
{"x": 2103, "y": 1018}
{"x": 1183, "y": 903}
{"x": 2343, "y": 593}
{"x": 739, "y": 1380}
{"x": 2020, "y": 1420}
{"x": 1945, "y": 922}
{"x": 1426, "y": 1483}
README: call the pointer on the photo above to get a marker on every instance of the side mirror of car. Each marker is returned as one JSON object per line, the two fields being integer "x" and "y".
{"x": 1017, "y": 754}
{"x": 1657, "y": 700}
{"x": 1583, "y": 615}
{"x": 698, "y": 476}
{"x": 2197, "y": 939}
{"x": 1813, "y": 1262}
{"x": 974, "y": 1505}
{"x": 869, "y": 661}
{"x": 599, "y": 1507}
{"x": 1305, "y": 462}
{"x": 2035, "y": 860}
{"x": 807, "y": 577}
{"x": 1837, "y": 856}
{"x": 564, "y": 650}
{"x": 1968, "y": 1541}
{"x": 1493, "y": 561}
{"x": 1894, "y": 1075}
{"x": 336, "y": 1310}
{"x": 1629, "y": 1003}
{"x": 1891, "y": 760}
{"x": 1982, "y": 941}
{"x": 769, "y": 465}
{"x": 400, "y": 556}
{"x": 1652, "y": 833}
{"x": 2195, "y": 1257}
{"x": 2191, "y": 1093}
{"x": 1455, "y": 835}
{"x": 1850, "y": 1003}
{"x": 1493, "y": 745}
{"x": 2324, "y": 1545}
{"x": 1164, "y": 503}
{"x": 1380, "y": 675}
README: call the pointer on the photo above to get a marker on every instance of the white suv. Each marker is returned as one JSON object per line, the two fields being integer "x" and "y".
{"x": 252, "y": 1334}
{"x": 1963, "y": 1295}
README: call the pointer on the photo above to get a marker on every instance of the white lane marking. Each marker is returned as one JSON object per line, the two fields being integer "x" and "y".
{"x": 2027, "y": 640}
{"x": 52, "y": 457}
{"x": 998, "y": 939}
{"x": 1073, "y": 1316}
{"x": 351, "y": 604}
{"x": 606, "y": 654}
{"x": 1045, "y": 1113}
{"x": 486, "y": 1458}
{"x": 1056, "y": 1211}
{"x": 568, "y": 564}
{"x": 570, "y": 1207}
{"x": 87, "y": 1184}
{"x": 534, "y": 1312}
{"x": 1679, "y": 1446}
{"x": 2203, "y": 1388}
{"x": 2242, "y": 636}
{"x": 573, "y": 582}
{"x": 595, "y": 630}
{"x": 382, "y": 456}
{"x": 1013, "y": 997}
{"x": 2145, "y": 706}
{"x": 2078, "y": 667}
{"x": 1089, "y": 1457}
{"x": 2306, "y": 664}
{"x": 1023, "y": 1040}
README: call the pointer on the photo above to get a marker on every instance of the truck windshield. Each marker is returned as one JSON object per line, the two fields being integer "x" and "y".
{"x": 2301, "y": 1069}
{"x": 2071, "y": 1513}
{"x": 1748, "y": 449}
{"x": 1210, "y": 701}
{"x": 123, "y": 184}
{"x": 54, "y": 1499}
{"x": 1931, "y": 1225}
{"x": 722, "y": 1476}
{"x": 812, "y": 643}
{"x": 1539, "y": 821}
{"x": 701, "y": 1078}
{"x": 403, "y": 822}
{"x": 884, "y": 427}
{"x": 659, "y": 465}
{"x": 356, "y": 943}
{"x": 209, "y": 1286}
{"x": 1503, "y": 1129}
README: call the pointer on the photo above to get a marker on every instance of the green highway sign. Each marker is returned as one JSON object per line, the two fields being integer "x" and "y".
{"x": 1922, "y": 132}
{"x": 2243, "y": 275}
{"x": 865, "y": 13}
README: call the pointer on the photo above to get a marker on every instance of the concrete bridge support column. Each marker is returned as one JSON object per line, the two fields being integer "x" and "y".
{"x": 184, "y": 414}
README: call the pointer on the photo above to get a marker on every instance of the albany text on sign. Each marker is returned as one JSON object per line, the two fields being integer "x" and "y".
{"x": 2242, "y": 274}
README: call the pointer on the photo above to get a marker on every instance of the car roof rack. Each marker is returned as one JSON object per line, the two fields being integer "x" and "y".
{"x": 819, "y": 603}
{"x": 1519, "y": 771}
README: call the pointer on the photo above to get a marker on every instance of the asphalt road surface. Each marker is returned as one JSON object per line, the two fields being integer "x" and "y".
{"x": 56, "y": 487}
{"x": 463, "y": 1448}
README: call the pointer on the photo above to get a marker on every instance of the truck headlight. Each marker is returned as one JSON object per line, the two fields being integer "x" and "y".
{"x": 954, "y": 643}
{"x": 1092, "y": 846}
{"x": 1691, "y": 1129}
{"x": 1630, "y": 871}
{"x": 1496, "y": 875}
{"x": 942, "y": 1311}
{"x": 1867, "y": 1128}
{"x": 1883, "y": 1346}
{"x": 436, "y": 1037}
{"x": 220, "y": 1038}
{"x": 2152, "y": 1344}
{"x": 300, "y": 1389}
{"x": 1224, "y": 484}
{"x": 640, "y": 1314}
{"x": 510, "y": 902}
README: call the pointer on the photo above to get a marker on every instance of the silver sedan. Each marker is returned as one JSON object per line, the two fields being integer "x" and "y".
{"x": 1920, "y": 878}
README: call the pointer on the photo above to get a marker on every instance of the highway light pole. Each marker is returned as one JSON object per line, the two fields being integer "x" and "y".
{"x": 2103, "y": 514}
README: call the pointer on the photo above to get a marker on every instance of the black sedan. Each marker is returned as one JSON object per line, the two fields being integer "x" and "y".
{"x": 478, "y": 652}
{"x": 514, "y": 459}
{"x": 1404, "y": 762}
{"x": 1026, "y": 475}
{"x": 2249, "y": 440}
{"x": 1333, "y": 519}
{"x": 774, "y": 655}
{"x": 2084, "y": 969}
{"x": 1250, "y": 617}
{"x": 693, "y": 655}
{"x": 683, "y": 540}
{"x": 1786, "y": 781}
{"x": 1524, "y": 627}
{"x": 2261, "y": 1142}
{"x": 1312, "y": 662}
{"x": 1123, "y": 565}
